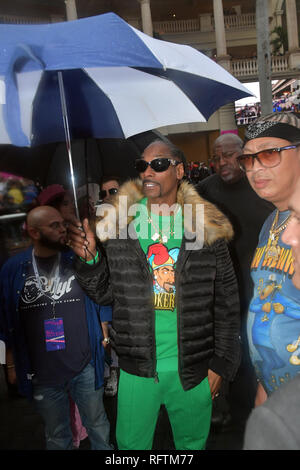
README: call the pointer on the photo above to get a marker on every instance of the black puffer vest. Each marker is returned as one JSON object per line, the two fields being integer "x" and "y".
{"x": 206, "y": 293}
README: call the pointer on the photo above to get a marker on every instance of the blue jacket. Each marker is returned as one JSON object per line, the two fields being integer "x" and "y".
{"x": 12, "y": 279}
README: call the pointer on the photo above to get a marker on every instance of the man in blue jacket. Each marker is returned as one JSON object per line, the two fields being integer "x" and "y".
{"x": 53, "y": 335}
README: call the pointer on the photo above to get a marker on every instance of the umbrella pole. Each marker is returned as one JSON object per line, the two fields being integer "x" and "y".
{"x": 67, "y": 135}
{"x": 86, "y": 177}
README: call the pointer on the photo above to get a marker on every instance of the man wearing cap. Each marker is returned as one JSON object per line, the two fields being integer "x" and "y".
{"x": 276, "y": 424}
{"x": 55, "y": 195}
{"x": 176, "y": 332}
{"x": 271, "y": 161}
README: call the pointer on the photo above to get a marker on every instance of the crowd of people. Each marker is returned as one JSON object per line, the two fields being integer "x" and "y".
{"x": 246, "y": 114}
{"x": 250, "y": 112}
{"x": 16, "y": 194}
{"x": 19, "y": 195}
{"x": 198, "y": 171}
{"x": 183, "y": 289}
{"x": 284, "y": 104}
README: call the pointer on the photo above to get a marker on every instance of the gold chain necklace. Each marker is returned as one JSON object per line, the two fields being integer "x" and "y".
{"x": 273, "y": 250}
{"x": 158, "y": 233}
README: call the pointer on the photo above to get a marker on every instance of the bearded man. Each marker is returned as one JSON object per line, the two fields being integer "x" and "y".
{"x": 53, "y": 335}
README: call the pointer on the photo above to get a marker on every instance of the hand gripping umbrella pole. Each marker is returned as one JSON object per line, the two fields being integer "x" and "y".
{"x": 67, "y": 135}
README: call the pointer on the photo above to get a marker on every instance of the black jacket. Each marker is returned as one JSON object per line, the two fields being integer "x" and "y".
{"x": 206, "y": 293}
{"x": 247, "y": 212}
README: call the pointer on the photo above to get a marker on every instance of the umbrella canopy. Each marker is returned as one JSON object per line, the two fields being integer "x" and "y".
{"x": 92, "y": 159}
{"x": 118, "y": 82}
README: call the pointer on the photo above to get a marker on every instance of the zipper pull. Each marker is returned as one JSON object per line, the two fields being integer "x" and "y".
{"x": 156, "y": 380}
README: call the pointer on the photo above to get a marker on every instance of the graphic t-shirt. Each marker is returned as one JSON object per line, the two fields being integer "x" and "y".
{"x": 274, "y": 313}
{"x": 162, "y": 256}
{"x": 54, "y": 362}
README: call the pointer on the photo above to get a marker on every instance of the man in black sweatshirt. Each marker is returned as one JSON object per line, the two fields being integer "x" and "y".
{"x": 230, "y": 191}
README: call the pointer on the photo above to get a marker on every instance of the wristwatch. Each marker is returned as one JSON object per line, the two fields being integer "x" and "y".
{"x": 106, "y": 340}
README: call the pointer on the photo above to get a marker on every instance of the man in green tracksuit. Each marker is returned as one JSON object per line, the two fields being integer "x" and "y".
{"x": 175, "y": 320}
{"x": 190, "y": 429}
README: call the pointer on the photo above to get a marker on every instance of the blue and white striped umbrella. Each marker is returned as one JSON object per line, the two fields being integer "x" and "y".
{"x": 117, "y": 81}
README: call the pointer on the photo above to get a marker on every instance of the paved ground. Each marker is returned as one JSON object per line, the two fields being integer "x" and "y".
{"x": 22, "y": 429}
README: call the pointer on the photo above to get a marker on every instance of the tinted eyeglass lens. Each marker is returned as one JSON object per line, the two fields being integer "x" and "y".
{"x": 160, "y": 164}
{"x": 269, "y": 158}
{"x": 141, "y": 166}
{"x": 113, "y": 191}
{"x": 246, "y": 162}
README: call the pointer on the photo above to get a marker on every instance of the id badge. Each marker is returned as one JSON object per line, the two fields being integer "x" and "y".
{"x": 54, "y": 334}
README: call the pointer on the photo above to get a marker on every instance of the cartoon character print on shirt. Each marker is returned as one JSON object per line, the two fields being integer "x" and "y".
{"x": 162, "y": 262}
{"x": 274, "y": 314}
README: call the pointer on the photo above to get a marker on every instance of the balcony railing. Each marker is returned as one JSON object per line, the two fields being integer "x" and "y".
{"x": 176, "y": 26}
{"x": 187, "y": 26}
{"x": 279, "y": 64}
{"x": 247, "y": 20}
{"x": 249, "y": 67}
{"x": 13, "y": 19}
{"x": 243, "y": 67}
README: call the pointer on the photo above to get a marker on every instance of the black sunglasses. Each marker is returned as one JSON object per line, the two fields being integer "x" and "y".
{"x": 111, "y": 192}
{"x": 157, "y": 164}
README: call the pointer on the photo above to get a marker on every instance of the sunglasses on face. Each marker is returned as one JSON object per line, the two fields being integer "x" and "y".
{"x": 157, "y": 164}
{"x": 109, "y": 192}
{"x": 268, "y": 158}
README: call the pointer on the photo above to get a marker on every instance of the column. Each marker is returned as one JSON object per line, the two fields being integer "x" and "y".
{"x": 220, "y": 28}
{"x": 227, "y": 112}
{"x": 146, "y": 17}
{"x": 278, "y": 17}
{"x": 292, "y": 26}
{"x": 292, "y": 29}
{"x": 71, "y": 11}
{"x": 264, "y": 56}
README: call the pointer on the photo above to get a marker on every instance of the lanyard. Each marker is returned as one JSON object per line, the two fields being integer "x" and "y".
{"x": 38, "y": 279}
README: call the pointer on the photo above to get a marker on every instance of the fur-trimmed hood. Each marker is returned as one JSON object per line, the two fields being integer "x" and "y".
{"x": 116, "y": 218}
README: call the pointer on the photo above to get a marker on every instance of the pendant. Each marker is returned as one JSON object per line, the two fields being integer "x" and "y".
{"x": 294, "y": 360}
{"x": 294, "y": 346}
{"x": 265, "y": 318}
{"x": 155, "y": 237}
{"x": 165, "y": 239}
{"x": 273, "y": 252}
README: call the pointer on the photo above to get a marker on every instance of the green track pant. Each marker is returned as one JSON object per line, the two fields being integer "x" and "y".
{"x": 139, "y": 401}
